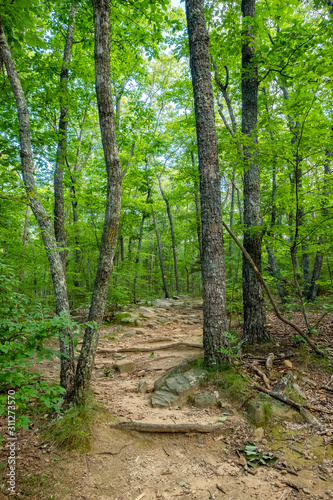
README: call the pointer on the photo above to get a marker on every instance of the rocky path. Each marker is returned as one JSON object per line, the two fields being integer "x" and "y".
{"x": 153, "y": 466}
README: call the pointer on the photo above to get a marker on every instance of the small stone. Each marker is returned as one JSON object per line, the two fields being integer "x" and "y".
{"x": 328, "y": 492}
{"x": 99, "y": 366}
{"x": 284, "y": 472}
{"x": 142, "y": 386}
{"x": 204, "y": 400}
{"x": 287, "y": 363}
{"x": 118, "y": 355}
{"x": 141, "y": 373}
{"x": 124, "y": 375}
{"x": 125, "y": 366}
{"x": 264, "y": 441}
{"x": 306, "y": 491}
{"x": 150, "y": 388}
{"x": 258, "y": 433}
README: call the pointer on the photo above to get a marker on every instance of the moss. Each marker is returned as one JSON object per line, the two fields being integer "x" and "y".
{"x": 267, "y": 410}
{"x": 229, "y": 382}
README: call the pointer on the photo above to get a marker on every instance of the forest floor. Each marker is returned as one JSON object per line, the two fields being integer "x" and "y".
{"x": 134, "y": 465}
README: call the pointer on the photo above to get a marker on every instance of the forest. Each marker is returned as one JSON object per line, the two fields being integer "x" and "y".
{"x": 166, "y": 265}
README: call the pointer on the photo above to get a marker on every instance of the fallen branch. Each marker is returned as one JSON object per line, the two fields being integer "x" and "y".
{"x": 326, "y": 386}
{"x": 289, "y": 401}
{"x": 280, "y": 467}
{"x": 270, "y": 296}
{"x": 292, "y": 485}
{"x": 263, "y": 376}
{"x": 112, "y": 452}
{"x": 149, "y": 349}
{"x": 146, "y": 427}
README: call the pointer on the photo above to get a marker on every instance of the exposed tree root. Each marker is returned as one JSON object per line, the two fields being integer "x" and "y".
{"x": 289, "y": 401}
{"x": 150, "y": 349}
{"x": 146, "y": 427}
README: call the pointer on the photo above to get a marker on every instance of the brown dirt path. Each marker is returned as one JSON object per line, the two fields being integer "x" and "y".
{"x": 134, "y": 466}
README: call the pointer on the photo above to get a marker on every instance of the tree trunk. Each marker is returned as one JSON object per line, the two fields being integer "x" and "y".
{"x": 137, "y": 258}
{"x": 43, "y": 220}
{"x": 160, "y": 253}
{"x": 172, "y": 235}
{"x": 197, "y": 210}
{"x": 59, "y": 215}
{"x": 113, "y": 200}
{"x": 121, "y": 244}
{"x": 25, "y": 240}
{"x": 313, "y": 287}
{"x": 213, "y": 269}
{"x": 253, "y": 298}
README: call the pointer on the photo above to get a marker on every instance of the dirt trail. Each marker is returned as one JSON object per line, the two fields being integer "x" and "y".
{"x": 132, "y": 465}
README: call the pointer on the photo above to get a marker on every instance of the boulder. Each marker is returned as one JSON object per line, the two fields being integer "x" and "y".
{"x": 125, "y": 366}
{"x": 205, "y": 400}
{"x": 146, "y": 312}
{"x": 162, "y": 399}
{"x": 263, "y": 408}
{"x": 177, "y": 385}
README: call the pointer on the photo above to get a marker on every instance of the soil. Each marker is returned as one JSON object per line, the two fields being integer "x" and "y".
{"x": 132, "y": 465}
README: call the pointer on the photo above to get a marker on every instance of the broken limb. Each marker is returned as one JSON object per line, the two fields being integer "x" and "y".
{"x": 270, "y": 296}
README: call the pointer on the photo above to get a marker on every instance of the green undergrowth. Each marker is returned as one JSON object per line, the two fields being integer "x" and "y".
{"x": 228, "y": 381}
{"x": 73, "y": 429}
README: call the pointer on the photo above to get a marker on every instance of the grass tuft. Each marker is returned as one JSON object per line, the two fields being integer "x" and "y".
{"x": 73, "y": 429}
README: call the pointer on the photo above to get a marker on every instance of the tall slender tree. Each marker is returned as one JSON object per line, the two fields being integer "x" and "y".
{"x": 113, "y": 199}
{"x": 59, "y": 213}
{"x": 41, "y": 215}
{"x": 213, "y": 269}
{"x": 253, "y": 297}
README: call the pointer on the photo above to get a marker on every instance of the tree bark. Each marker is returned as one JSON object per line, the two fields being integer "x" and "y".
{"x": 253, "y": 298}
{"x": 137, "y": 257}
{"x": 43, "y": 220}
{"x": 313, "y": 287}
{"x": 59, "y": 215}
{"x": 173, "y": 240}
{"x": 197, "y": 210}
{"x": 25, "y": 240}
{"x": 160, "y": 253}
{"x": 213, "y": 268}
{"x": 101, "y": 10}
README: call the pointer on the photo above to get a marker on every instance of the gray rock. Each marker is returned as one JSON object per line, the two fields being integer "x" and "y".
{"x": 127, "y": 335}
{"x": 142, "y": 386}
{"x": 125, "y": 366}
{"x": 162, "y": 399}
{"x": 162, "y": 303}
{"x": 177, "y": 384}
{"x": 299, "y": 391}
{"x": 258, "y": 433}
{"x": 195, "y": 376}
{"x": 205, "y": 400}
{"x": 162, "y": 319}
{"x": 285, "y": 383}
{"x": 118, "y": 355}
{"x": 146, "y": 312}
{"x": 263, "y": 407}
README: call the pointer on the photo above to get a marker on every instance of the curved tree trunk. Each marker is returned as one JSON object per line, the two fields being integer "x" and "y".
{"x": 59, "y": 214}
{"x": 253, "y": 297}
{"x": 113, "y": 200}
{"x": 43, "y": 220}
{"x": 213, "y": 269}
